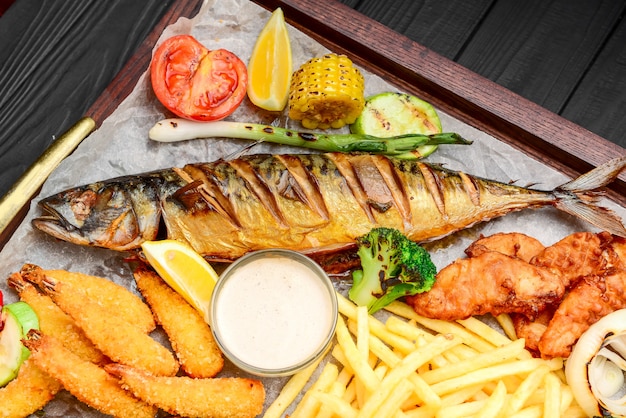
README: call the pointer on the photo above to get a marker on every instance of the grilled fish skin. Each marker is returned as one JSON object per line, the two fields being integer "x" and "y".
{"x": 304, "y": 202}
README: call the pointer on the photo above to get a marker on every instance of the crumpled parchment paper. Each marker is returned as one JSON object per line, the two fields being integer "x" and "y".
{"x": 121, "y": 146}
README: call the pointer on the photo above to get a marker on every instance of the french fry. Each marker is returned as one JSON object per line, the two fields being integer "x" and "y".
{"x": 337, "y": 405}
{"x": 506, "y": 323}
{"x": 363, "y": 331}
{"x": 487, "y": 374}
{"x": 349, "y": 395}
{"x": 421, "y": 412}
{"x": 567, "y": 396}
{"x": 535, "y": 411}
{"x": 461, "y": 395}
{"x": 408, "y": 329}
{"x": 440, "y": 326}
{"x": 552, "y": 403}
{"x": 484, "y": 331}
{"x": 359, "y": 365}
{"x": 526, "y": 389}
{"x": 400, "y": 393}
{"x": 387, "y": 356}
{"x": 482, "y": 360}
{"x": 308, "y": 406}
{"x": 340, "y": 356}
{"x": 362, "y": 344}
{"x": 291, "y": 390}
{"x": 411, "y": 331}
{"x": 425, "y": 392}
{"x": 460, "y": 410}
{"x": 495, "y": 404}
{"x": 348, "y": 309}
{"x": 337, "y": 389}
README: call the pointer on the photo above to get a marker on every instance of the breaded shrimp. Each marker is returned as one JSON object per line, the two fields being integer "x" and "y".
{"x": 227, "y": 397}
{"x": 117, "y": 338}
{"x": 88, "y": 382}
{"x": 53, "y": 321}
{"x": 188, "y": 332}
{"x": 30, "y": 391}
{"x": 110, "y": 295}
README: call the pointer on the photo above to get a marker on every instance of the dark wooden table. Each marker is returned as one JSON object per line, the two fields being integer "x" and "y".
{"x": 569, "y": 56}
{"x": 539, "y": 60}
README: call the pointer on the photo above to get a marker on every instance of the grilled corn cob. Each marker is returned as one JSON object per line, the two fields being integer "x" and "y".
{"x": 326, "y": 92}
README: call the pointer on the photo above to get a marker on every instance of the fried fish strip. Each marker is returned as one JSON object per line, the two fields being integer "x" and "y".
{"x": 188, "y": 332}
{"x": 514, "y": 244}
{"x": 30, "y": 391}
{"x": 577, "y": 255}
{"x": 88, "y": 382}
{"x": 589, "y": 300}
{"x": 489, "y": 283}
{"x": 114, "y": 297}
{"x": 117, "y": 338}
{"x": 53, "y": 321}
{"x": 185, "y": 396}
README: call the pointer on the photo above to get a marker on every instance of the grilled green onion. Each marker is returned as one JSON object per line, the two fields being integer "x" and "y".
{"x": 172, "y": 130}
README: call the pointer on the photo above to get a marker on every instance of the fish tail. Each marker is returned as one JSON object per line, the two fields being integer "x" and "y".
{"x": 578, "y": 197}
{"x": 596, "y": 178}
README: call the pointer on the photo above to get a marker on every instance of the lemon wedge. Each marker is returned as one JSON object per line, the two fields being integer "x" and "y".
{"x": 186, "y": 271}
{"x": 270, "y": 66}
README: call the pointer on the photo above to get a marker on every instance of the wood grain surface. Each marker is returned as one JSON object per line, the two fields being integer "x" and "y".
{"x": 568, "y": 56}
{"x": 56, "y": 58}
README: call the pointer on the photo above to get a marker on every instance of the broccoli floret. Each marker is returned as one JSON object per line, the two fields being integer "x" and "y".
{"x": 392, "y": 266}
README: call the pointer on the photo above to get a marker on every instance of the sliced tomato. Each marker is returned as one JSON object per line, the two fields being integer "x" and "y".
{"x": 196, "y": 83}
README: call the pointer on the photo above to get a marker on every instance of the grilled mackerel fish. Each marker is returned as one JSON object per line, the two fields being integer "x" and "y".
{"x": 304, "y": 202}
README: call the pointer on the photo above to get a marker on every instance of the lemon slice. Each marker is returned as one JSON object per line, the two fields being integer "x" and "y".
{"x": 186, "y": 271}
{"x": 270, "y": 66}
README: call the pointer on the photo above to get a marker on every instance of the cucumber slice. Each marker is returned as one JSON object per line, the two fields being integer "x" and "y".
{"x": 17, "y": 318}
{"x": 392, "y": 114}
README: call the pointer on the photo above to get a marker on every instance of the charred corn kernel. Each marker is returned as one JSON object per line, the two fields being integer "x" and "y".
{"x": 326, "y": 92}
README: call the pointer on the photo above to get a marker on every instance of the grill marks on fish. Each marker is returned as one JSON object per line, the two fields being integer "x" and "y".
{"x": 470, "y": 188}
{"x": 259, "y": 187}
{"x": 347, "y": 170}
{"x": 206, "y": 189}
{"x": 299, "y": 180}
{"x": 398, "y": 194}
{"x": 434, "y": 187}
{"x": 374, "y": 181}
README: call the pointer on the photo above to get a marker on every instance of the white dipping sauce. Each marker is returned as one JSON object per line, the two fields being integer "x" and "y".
{"x": 273, "y": 312}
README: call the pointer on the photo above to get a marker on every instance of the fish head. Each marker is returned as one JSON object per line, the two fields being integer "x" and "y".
{"x": 101, "y": 215}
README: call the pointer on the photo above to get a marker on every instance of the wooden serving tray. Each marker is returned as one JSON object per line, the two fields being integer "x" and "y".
{"x": 414, "y": 69}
